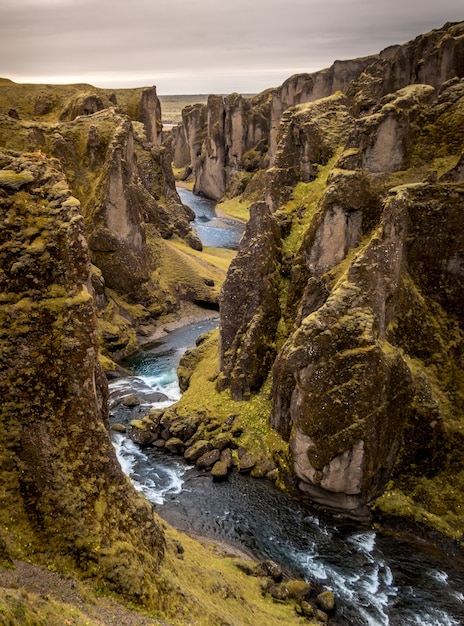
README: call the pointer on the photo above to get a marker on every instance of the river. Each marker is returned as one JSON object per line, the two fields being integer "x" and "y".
{"x": 379, "y": 579}
{"x": 214, "y": 231}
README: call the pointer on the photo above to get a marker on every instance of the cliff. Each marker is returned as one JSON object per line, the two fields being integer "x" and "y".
{"x": 345, "y": 295}
{"x": 231, "y": 137}
{"x": 63, "y": 489}
{"x": 109, "y": 147}
{"x": 78, "y": 543}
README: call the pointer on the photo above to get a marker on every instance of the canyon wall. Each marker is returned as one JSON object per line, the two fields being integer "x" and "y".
{"x": 109, "y": 148}
{"x": 64, "y": 492}
{"x": 231, "y": 136}
{"x": 346, "y": 292}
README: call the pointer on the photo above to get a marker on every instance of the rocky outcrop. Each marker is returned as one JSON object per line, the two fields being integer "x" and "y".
{"x": 116, "y": 235}
{"x": 149, "y": 114}
{"x": 189, "y": 137}
{"x": 363, "y": 311}
{"x": 308, "y": 138}
{"x": 345, "y": 389}
{"x": 218, "y": 141}
{"x": 123, "y": 178}
{"x": 66, "y": 103}
{"x": 248, "y": 325}
{"x": 429, "y": 59}
{"x": 210, "y": 176}
{"x": 63, "y": 485}
{"x": 242, "y": 128}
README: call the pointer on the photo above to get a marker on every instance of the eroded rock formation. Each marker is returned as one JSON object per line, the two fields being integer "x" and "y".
{"x": 63, "y": 488}
{"x": 228, "y": 134}
{"x": 362, "y": 284}
{"x": 122, "y": 176}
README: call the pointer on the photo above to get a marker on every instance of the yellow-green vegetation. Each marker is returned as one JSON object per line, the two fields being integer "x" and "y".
{"x": 203, "y": 584}
{"x": 432, "y": 502}
{"x": 178, "y": 175}
{"x": 20, "y": 608}
{"x": 217, "y": 258}
{"x": 303, "y": 205}
{"x": 237, "y": 207}
{"x": 48, "y": 103}
{"x": 251, "y": 417}
{"x": 180, "y": 269}
{"x": 14, "y": 180}
{"x": 208, "y": 588}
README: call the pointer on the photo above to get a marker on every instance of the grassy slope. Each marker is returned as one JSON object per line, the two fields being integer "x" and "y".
{"x": 203, "y": 586}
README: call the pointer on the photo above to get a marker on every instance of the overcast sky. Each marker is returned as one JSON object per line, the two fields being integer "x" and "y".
{"x": 201, "y": 46}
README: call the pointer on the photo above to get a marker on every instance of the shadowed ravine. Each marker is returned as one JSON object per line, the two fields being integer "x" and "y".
{"x": 378, "y": 578}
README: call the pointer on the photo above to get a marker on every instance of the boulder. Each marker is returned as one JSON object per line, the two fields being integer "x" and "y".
{"x": 270, "y": 568}
{"x": 184, "y": 427}
{"x": 326, "y": 601}
{"x": 222, "y": 467}
{"x": 175, "y": 445}
{"x": 139, "y": 433}
{"x": 131, "y": 401}
{"x": 208, "y": 459}
{"x": 118, "y": 428}
{"x": 195, "y": 451}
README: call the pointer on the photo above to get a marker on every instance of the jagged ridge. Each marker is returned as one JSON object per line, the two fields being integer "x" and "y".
{"x": 346, "y": 288}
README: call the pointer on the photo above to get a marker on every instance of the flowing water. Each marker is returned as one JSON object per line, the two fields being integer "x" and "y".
{"x": 379, "y": 579}
{"x": 214, "y": 231}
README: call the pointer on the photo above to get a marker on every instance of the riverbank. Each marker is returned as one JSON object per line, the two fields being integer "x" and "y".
{"x": 191, "y": 314}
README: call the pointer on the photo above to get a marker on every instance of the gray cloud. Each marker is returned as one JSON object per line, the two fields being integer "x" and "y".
{"x": 203, "y": 46}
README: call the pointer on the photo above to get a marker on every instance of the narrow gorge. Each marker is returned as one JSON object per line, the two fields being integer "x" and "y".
{"x": 345, "y": 299}
{"x": 337, "y": 370}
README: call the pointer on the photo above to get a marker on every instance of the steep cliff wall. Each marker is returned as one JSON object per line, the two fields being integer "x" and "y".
{"x": 242, "y": 125}
{"x": 63, "y": 490}
{"x": 116, "y": 167}
{"x": 361, "y": 286}
{"x": 223, "y": 140}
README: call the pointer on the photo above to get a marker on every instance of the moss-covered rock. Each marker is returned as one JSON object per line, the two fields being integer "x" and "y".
{"x": 122, "y": 177}
{"x": 367, "y": 384}
{"x": 248, "y": 326}
{"x": 66, "y": 492}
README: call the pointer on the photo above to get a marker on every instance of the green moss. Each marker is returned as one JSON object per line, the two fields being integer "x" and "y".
{"x": 185, "y": 184}
{"x": 207, "y": 588}
{"x": 237, "y": 208}
{"x": 251, "y": 416}
{"x": 428, "y": 505}
{"x": 13, "y": 180}
{"x": 183, "y": 272}
{"x": 108, "y": 364}
{"x": 303, "y": 206}
{"x": 20, "y": 608}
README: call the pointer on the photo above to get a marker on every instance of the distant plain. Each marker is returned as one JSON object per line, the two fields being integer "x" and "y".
{"x": 171, "y": 106}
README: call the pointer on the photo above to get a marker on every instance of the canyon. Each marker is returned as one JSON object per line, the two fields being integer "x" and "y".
{"x": 337, "y": 370}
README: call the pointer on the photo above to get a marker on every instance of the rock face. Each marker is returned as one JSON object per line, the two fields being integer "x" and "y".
{"x": 63, "y": 485}
{"x": 248, "y": 326}
{"x": 358, "y": 292}
{"x": 122, "y": 176}
{"x": 222, "y": 141}
{"x": 345, "y": 386}
{"x": 229, "y": 135}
